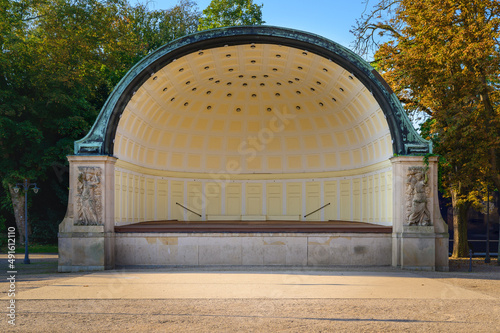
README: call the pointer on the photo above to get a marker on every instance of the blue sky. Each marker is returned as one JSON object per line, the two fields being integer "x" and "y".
{"x": 329, "y": 18}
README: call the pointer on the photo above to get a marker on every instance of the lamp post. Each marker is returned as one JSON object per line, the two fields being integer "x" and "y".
{"x": 487, "y": 255}
{"x": 25, "y": 186}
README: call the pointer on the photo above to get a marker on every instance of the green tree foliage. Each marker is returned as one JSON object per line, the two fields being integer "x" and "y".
{"x": 60, "y": 60}
{"x": 442, "y": 57}
{"x": 226, "y": 13}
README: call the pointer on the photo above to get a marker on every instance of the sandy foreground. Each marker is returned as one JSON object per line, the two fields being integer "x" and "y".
{"x": 253, "y": 299}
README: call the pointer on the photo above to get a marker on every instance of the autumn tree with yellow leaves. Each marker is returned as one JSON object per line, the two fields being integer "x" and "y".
{"x": 441, "y": 58}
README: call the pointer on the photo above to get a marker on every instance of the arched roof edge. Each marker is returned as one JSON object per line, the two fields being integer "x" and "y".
{"x": 100, "y": 138}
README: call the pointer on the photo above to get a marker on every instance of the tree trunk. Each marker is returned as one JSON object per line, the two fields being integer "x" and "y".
{"x": 18, "y": 205}
{"x": 460, "y": 241}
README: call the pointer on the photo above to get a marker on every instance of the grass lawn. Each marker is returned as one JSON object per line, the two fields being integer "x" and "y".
{"x": 33, "y": 248}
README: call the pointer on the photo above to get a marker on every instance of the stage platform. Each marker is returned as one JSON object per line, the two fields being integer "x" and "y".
{"x": 252, "y": 227}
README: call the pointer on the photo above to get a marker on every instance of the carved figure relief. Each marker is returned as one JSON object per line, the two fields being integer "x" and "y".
{"x": 417, "y": 193}
{"x": 89, "y": 196}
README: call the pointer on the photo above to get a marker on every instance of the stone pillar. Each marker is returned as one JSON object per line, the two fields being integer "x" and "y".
{"x": 86, "y": 235}
{"x": 420, "y": 235}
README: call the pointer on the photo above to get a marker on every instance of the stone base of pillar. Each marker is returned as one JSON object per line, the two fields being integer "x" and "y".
{"x": 418, "y": 248}
{"x": 81, "y": 248}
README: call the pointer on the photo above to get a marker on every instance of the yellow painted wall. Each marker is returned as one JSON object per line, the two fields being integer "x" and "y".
{"x": 274, "y": 194}
{"x": 233, "y": 199}
{"x": 293, "y": 199}
{"x": 330, "y": 190}
{"x": 313, "y": 201}
{"x": 213, "y": 197}
{"x": 360, "y": 196}
{"x": 253, "y": 196}
{"x": 176, "y": 196}
{"x": 195, "y": 201}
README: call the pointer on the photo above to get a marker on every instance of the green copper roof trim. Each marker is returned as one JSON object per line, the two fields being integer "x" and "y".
{"x": 100, "y": 139}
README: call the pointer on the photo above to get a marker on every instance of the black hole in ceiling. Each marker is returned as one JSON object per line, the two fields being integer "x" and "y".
{"x": 318, "y": 83}
{"x": 252, "y": 46}
{"x": 300, "y": 68}
{"x": 165, "y": 89}
{"x": 278, "y": 56}
{"x": 217, "y": 81}
{"x": 229, "y": 95}
{"x": 277, "y": 94}
{"x": 245, "y": 84}
{"x": 278, "y": 83}
{"x": 266, "y": 76}
{"x": 181, "y": 69}
{"x": 304, "y": 53}
{"x": 321, "y": 104}
{"x": 238, "y": 110}
{"x": 240, "y": 76}
{"x": 186, "y": 104}
{"x": 298, "y": 92}
{"x": 297, "y": 79}
{"x": 229, "y": 83}
{"x": 254, "y": 95}
{"x": 341, "y": 89}
{"x": 209, "y": 107}
{"x": 155, "y": 78}
{"x": 290, "y": 81}
{"x": 297, "y": 107}
{"x": 254, "y": 77}
{"x": 325, "y": 70}
{"x": 200, "y": 53}
{"x": 312, "y": 89}
{"x": 334, "y": 99}
{"x": 228, "y": 56}
{"x": 253, "y": 61}
{"x": 275, "y": 69}
{"x": 269, "y": 109}
{"x": 231, "y": 69}
{"x": 194, "y": 89}
{"x": 262, "y": 84}
{"x": 209, "y": 92}
{"x": 350, "y": 77}
{"x": 207, "y": 67}
{"x": 172, "y": 99}
{"x": 188, "y": 82}
{"x": 210, "y": 79}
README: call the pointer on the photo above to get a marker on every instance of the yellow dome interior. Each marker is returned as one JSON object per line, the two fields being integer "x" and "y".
{"x": 253, "y": 108}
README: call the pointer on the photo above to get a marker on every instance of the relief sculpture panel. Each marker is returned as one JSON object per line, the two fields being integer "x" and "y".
{"x": 89, "y": 196}
{"x": 417, "y": 194}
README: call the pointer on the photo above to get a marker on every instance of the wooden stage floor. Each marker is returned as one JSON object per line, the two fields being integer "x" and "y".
{"x": 253, "y": 227}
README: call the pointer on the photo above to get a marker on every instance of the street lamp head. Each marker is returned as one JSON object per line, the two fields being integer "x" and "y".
{"x": 35, "y": 189}
{"x": 16, "y": 189}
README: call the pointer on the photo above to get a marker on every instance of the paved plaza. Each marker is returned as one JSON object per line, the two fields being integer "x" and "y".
{"x": 259, "y": 299}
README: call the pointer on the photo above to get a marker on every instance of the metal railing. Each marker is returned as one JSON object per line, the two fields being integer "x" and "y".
{"x": 320, "y": 208}
{"x": 188, "y": 209}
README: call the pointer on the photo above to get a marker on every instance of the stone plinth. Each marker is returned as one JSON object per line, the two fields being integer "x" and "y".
{"x": 86, "y": 235}
{"x": 420, "y": 235}
{"x": 418, "y": 248}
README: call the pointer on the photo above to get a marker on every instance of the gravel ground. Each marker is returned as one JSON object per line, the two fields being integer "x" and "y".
{"x": 261, "y": 315}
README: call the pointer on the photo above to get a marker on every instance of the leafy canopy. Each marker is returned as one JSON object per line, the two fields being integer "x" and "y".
{"x": 59, "y": 61}
{"x": 226, "y": 13}
{"x": 441, "y": 57}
